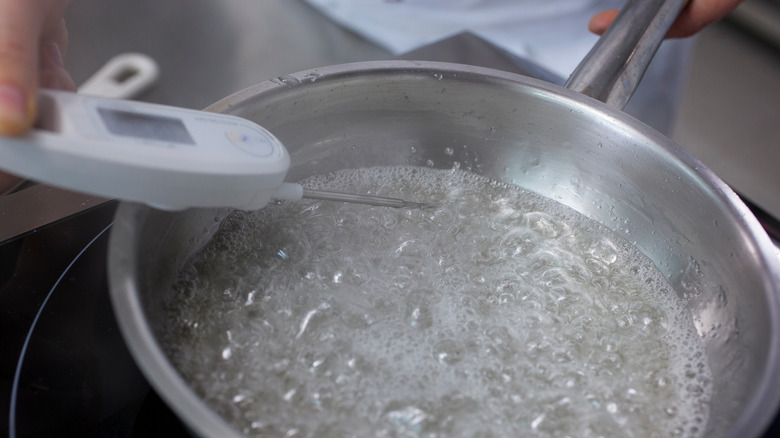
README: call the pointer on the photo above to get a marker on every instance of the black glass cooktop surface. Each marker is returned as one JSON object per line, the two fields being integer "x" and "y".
{"x": 64, "y": 368}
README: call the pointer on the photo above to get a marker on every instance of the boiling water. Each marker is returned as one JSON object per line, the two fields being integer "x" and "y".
{"x": 500, "y": 313}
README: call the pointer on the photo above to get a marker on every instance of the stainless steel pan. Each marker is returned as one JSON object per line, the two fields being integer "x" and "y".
{"x": 555, "y": 141}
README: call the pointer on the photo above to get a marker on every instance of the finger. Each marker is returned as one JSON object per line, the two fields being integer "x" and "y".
{"x": 19, "y": 30}
{"x": 52, "y": 69}
{"x": 699, "y": 14}
{"x": 601, "y": 21}
{"x": 57, "y": 33}
{"x": 51, "y": 58}
{"x": 695, "y": 16}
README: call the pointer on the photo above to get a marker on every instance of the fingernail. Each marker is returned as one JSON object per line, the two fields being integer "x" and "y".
{"x": 53, "y": 53}
{"x": 12, "y": 101}
{"x": 13, "y": 110}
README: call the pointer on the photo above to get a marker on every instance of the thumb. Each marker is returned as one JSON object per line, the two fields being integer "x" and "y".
{"x": 19, "y": 28}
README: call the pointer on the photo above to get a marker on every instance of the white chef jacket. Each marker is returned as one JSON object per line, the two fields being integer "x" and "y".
{"x": 550, "y": 33}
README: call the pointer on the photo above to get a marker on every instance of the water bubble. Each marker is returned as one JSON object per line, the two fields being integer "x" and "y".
{"x": 419, "y": 316}
{"x": 312, "y": 77}
{"x": 287, "y": 80}
{"x": 409, "y": 420}
{"x": 250, "y": 298}
{"x": 447, "y": 352}
{"x": 604, "y": 250}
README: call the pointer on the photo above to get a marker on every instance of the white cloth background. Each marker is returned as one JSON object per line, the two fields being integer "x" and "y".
{"x": 550, "y": 33}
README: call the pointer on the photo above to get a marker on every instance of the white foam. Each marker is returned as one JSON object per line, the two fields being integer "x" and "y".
{"x": 500, "y": 313}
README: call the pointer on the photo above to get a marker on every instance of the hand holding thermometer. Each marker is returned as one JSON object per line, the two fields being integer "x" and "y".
{"x": 167, "y": 157}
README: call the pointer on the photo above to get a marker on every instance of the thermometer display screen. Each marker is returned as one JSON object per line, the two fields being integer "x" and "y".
{"x": 145, "y": 126}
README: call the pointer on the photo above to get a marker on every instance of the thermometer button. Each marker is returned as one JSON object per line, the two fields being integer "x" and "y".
{"x": 252, "y": 142}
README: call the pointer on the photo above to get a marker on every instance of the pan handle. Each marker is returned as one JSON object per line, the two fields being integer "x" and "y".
{"x": 612, "y": 69}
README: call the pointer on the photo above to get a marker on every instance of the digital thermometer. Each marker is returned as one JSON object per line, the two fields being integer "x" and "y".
{"x": 167, "y": 157}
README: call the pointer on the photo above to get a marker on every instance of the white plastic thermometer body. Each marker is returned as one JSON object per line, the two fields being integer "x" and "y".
{"x": 167, "y": 157}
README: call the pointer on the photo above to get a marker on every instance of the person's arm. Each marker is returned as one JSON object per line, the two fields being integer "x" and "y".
{"x": 695, "y": 16}
{"x": 33, "y": 40}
